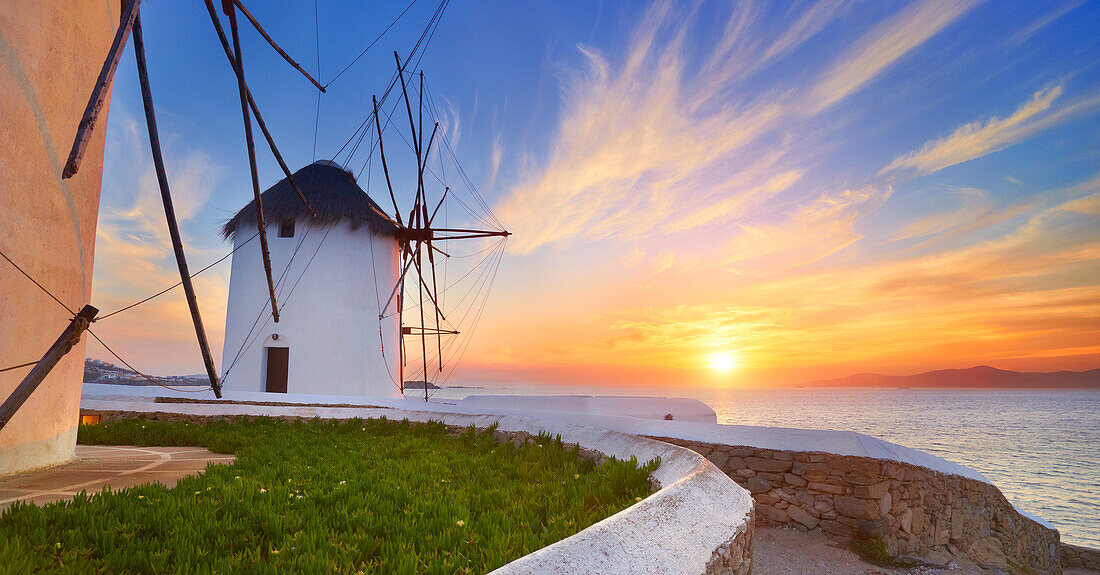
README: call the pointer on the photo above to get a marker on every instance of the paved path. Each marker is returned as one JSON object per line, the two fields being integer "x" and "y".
{"x": 117, "y": 466}
{"x": 782, "y": 551}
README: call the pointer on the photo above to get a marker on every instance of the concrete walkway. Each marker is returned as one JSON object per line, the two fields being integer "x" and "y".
{"x": 115, "y": 466}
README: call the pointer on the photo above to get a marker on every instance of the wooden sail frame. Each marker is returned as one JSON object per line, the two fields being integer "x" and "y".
{"x": 416, "y": 235}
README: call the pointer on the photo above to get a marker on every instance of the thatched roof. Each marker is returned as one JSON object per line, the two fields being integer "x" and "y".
{"x": 331, "y": 191}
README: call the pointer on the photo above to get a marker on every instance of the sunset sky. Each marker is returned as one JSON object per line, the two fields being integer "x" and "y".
{"x": 701, "y": 193}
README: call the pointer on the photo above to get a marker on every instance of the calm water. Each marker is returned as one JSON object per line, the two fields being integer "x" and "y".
{"x": 1042, "y": 448}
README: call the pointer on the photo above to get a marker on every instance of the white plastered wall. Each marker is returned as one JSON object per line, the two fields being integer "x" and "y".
{"x": 329, "y": 304}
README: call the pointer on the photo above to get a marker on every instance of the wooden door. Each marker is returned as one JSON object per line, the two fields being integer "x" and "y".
{"x": 278, "y": 360}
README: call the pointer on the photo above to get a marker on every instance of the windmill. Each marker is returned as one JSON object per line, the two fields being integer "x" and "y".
{"x": 418, "y": 236}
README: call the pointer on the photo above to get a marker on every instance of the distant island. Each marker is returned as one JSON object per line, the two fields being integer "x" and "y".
{"x": 96, "y": 371}
{"x": 979, "y": 377}
{"x": 420, "y": 385}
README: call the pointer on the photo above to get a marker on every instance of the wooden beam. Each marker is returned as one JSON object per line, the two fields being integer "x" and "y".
{"x": 69, "y": 338}
{"x": 423, "y": 336}
{"x": 408, "y": 330}
{"x": 399, "y": 285}
{"x": 227, "y": 6}
{"x": 99, "y": 91}
{"x": 472, "y": 236}
{"x": 435, "y": 300}
{"x": 256, "y": 111}
{"x": 285, "y": 56}
{"x": 385, "y": 167}
{"x": 424, "y": 283}
{"x": 170, "y": 211}
{"x": 446, "y": 190}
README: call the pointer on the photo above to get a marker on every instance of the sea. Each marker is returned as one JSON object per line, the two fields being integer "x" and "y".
{"x": 1040, "y": 447}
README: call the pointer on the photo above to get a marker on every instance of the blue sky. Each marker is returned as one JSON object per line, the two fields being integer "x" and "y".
{"x": 799, "y": 189}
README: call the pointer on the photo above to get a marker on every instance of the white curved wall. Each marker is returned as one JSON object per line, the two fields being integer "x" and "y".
{"x": 51, "y": 52}
{"x": 329, "y": 321}
{"x": 694, "y": 516}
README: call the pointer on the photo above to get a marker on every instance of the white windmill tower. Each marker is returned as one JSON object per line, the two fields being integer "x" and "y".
{"x": 334, "y": 244}
{"x": 328, "y": 338}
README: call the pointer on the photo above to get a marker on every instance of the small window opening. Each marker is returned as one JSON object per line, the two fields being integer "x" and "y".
{"x": 286, "y": 229}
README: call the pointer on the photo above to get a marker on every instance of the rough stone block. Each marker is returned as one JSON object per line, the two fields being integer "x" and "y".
{"x": 766, "y": 498}
{"x": 827, "y": 488}
{"x": 757, "y": 485}
{"x": 856, "y": 508}
{"x": 989, "y": 554}
{"x": 773, "y": 514}
{"x": 880, "y": 527}
{"x": 802, "y": 516}
{"x": 885, "y": 503}
{"x": 718, "y": 458}
{"x": 835, "y": 528}
{"x": 958, "y": 525}
{"x": 794, "y": 480}
{"x": 907, "y": 521}
{"x": 874, "y": 491}
{"x": 770, "y": 465}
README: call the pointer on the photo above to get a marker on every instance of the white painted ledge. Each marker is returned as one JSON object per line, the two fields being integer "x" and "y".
{"x": 675, "y": 530}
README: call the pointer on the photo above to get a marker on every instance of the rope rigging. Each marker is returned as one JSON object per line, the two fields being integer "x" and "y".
{"x": 417, "y": 240}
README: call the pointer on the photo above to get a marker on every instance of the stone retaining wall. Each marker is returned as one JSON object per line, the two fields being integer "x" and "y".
{"x": 735, "y": 556}
{"x": 915, "y": 510}
{"x": 1074, "y": 557}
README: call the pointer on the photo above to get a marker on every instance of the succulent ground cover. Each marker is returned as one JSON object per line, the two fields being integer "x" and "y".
{"x": 371, "y": 496}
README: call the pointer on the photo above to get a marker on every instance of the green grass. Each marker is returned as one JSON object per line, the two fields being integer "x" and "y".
{"x": 369, "y": 496}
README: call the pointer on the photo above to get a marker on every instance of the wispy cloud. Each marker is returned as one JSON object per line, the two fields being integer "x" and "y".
{"x": 808, "y": 24}
{"x": 1031, "y": 29}
{"x": 978, "y": 139}
{"x": 134, "y": 257}
{"x": 637, "y": 142}
{"x": 884, "y": 46}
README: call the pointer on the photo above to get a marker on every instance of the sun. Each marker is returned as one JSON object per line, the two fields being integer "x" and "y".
{"x": 722, "y": 362}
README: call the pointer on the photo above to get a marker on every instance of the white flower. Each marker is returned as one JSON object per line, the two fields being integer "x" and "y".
{"x": 460, "y": 523}
{"x": 343, "y": 483}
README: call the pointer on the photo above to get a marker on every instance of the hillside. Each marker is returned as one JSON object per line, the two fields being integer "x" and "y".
{"x": 96, "y": 371}
{"x": 979, "y": 377}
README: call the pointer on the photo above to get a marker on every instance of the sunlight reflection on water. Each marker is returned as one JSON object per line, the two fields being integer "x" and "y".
{"x": 1041, "y": 448}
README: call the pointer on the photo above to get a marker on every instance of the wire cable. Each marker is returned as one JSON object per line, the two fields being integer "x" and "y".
{"x": 148, "y": 378}
{"x": 18, "y": 366}
{"x": 178, "y": 284}
{"x": 369, "y": 46}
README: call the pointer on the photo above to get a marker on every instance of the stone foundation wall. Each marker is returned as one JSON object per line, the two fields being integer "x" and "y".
{"x": 1074, "y": 557}
{"x": 735, "y": 556}
{"x": 915, "y": 510}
